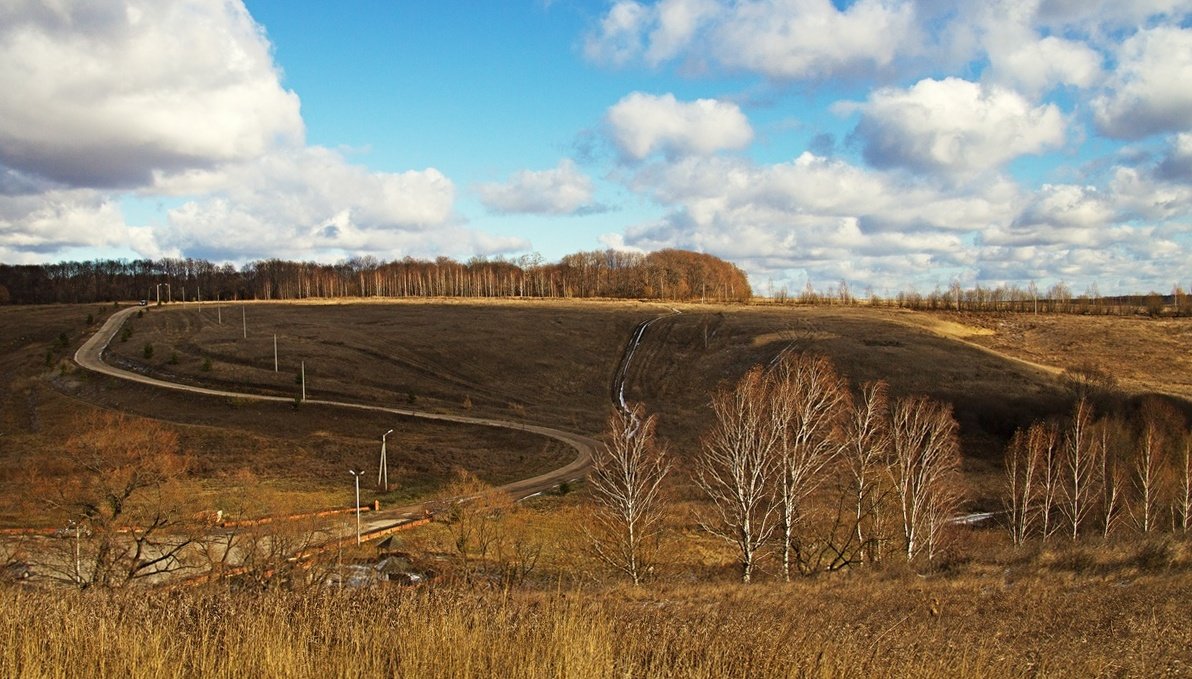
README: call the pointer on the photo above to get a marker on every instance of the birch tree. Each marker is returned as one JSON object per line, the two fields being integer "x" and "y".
{"x": 626, "y": 477}
{"x": 1113, "y": 475}
{"x": 924, "y": 470}
{"x": 734, "y": 468}
{"x": 1149, "y": 464}
{"x": 1081, "y": 464}
{"x": 1022, "y": 470}
{"x": 1044, "y": 438}
{"x": 807, "y": 402}
{"x": 867, "y": 445}
{"x": 1183, "y": 497}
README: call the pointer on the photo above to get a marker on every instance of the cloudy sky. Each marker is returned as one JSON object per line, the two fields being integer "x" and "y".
{"x": 888, "y": 143}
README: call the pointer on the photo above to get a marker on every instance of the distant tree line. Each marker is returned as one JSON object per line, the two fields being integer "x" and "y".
{"x": 666, "y": 274}
{"x": 1056, "y": 299}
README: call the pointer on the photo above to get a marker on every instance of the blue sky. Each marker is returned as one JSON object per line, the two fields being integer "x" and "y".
{"x": 886, "y": 143}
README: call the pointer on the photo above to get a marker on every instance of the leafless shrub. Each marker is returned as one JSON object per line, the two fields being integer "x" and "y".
{"x": 472, "y": 512}
{"x": 1090, "y": 381}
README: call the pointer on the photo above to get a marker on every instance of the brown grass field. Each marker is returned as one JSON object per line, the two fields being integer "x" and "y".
{"x": 1113, "y": 608}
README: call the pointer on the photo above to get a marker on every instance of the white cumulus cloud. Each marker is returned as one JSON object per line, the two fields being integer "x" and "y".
{"x": 641, "y": 124}
{"x": 1036, "y": 65}
{"x": 309, "y": 199}
{"x": 619, "y": 38}
{"x": 955, "y": 127}
{"x": 782, "y": 39}
{"x": 794, "y": 39}
{"x": 1148, "y": 92}
{"x": 558, "y": 191}
{"x": 104, "y": 94}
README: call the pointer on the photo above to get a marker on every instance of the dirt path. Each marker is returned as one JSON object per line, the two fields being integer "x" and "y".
{"x": 960, "y": 333}
{"x": 90, "y": 356}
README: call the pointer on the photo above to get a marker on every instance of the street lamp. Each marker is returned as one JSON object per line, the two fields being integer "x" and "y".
{"x": 78, "y": 565}
{"x": 383, "y": 471}
{"x": 357, "y": 475}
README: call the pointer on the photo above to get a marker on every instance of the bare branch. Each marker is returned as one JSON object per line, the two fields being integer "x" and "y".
{"x": 626, "y": 477}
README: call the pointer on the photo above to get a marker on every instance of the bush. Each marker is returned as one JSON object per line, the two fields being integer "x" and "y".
{"x": 1077, "y": 560}
{"x": 173, "y": 358}
{"x": 148, "y": 351}
{"x": 1156, "y": 555}
{"x": 125, "y": 333}
{"x": 206, "y": 367}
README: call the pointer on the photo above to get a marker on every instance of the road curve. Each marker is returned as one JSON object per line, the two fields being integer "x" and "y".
{"x": 90, "y": 357}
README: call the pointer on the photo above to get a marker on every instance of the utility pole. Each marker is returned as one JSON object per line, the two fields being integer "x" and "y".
{"x": 357, "y": 475}
{"x": 219, "y": 314}
{"x": 304, "y": 380}
{"x": 244, "y": 321}
{"x": 383, "y": 471}
{"x": 169, "y": 294}
{"x": 274, "y": 352}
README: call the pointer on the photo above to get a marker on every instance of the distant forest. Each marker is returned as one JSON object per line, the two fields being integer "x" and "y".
{"x": 666, "y": 274}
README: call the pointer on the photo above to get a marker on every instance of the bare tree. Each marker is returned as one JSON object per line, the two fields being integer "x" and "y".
{"x": 1081, "y": 465}
{"x": 131, "y": 519}
{"x": 1022, "y": 469}
{"x": 925, "y": 465}
{"x": 867, "y": 446}
{"x": 1149, "y": 464}
{"x": 1183, "y": 496}
{"x": 627, "y": 475}
{"x": 736, "y": 462}
{"x": 1043, "y": 437}
{"x": 1113, "y": 475}
{"x": 806, "y": 406}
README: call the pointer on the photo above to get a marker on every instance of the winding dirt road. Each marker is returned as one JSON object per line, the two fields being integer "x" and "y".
{"x": 90, "y": 356}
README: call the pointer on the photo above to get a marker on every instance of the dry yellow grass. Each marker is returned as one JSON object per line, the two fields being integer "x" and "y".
{"x": 863, "y": 626}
